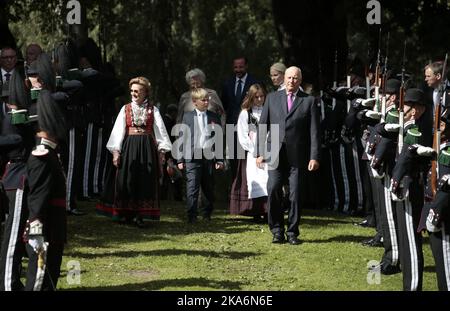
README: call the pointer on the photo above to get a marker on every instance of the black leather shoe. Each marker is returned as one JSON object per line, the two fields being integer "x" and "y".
{"x": 386, "y": 269}
{"x": 192, "y": 220}
{"x": 293, "y": 240}
{"x": 390, "y": 269}
{"x": 207, "y": 217}
{"x": 278, "y": 239}
{"x": 76, "y": 212}
{"x": 373, "y": 242}
{"x": 139, "y": 222}
{"x": 365, "y": 223}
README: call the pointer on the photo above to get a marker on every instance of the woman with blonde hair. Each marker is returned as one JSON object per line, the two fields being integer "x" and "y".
{"x": 277, "y": 75}
{"x": 138, "y": 143}
{"x": 249, "y": 188}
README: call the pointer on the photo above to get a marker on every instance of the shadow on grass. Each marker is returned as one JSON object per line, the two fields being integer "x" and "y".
{"x": 98, "y": 231}
{"x": 339, "y": 238}
{"x": 172, "y": 283}
{"x": 164, "y": 252}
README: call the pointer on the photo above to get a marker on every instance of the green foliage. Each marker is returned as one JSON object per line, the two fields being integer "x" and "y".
{"x": 163, "y": 39}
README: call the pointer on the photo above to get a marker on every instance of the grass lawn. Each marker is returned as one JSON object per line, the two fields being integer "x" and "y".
{"x": 228, "y": 253}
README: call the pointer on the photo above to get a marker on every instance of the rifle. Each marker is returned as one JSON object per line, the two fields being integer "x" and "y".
{"x": 401, "y": 104}
{"x": 377, "y": 76}
{"x": 335, "y": 75}
{"x": 367, "y": 69}
{"x": 437, "y": 129}
{"x": 383, "y": 98}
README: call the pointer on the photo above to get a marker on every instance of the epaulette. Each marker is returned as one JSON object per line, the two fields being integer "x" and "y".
{"x": 412, "y": 136}
{"x": 444, "y": 157}
{"x": 392, "y": 117}
{"x": 40, "y": 151}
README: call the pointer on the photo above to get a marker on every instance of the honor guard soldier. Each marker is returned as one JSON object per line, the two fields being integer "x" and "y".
{"x": 407, "y": 186}
{"x": 382, "y": 163}
{"x": 16, "y": 141}
{"x": 46, "y": 226}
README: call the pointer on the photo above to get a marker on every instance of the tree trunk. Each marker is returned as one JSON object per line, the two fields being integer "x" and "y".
{"x": 6, "y": 37}
{"x": 310, "y": 32}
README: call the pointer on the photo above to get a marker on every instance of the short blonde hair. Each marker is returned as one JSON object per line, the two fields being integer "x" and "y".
{"x": 280, "y": 67}
{"x": 198, "y": 94}
{"x": 141, "y": 81}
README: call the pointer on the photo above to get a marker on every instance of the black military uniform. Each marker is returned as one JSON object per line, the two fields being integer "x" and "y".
{"x": 407, "y": 186}
{"x": 384, "y": 152}
{"x": 436, "y": 216}
{"x": 46, "y": 226}
{"x": 335, "y": 111}
{"x": 46, "y": 203}
{"x": 16, "y": 141}
{"x": 436, "y": 213}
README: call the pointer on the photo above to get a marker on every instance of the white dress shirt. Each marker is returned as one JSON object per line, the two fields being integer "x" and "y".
{"x": 243, "y": 79}
{"x": 120, "y": 126}
{"x": 4, "y": 72}
{"x": 256, "y": 177}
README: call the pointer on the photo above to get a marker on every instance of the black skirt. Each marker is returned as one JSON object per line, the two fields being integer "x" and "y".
{"x": 136, "y": 186}
{"x": 240, "y": 204}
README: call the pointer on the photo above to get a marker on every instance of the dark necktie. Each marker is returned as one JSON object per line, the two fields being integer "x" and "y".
{"x": 239, "y": 91}
{"x": 7, "y": 76}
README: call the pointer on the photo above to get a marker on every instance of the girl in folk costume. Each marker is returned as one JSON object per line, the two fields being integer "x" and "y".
{"x": 249, "y": 189}
{"x": 137, "y": 137}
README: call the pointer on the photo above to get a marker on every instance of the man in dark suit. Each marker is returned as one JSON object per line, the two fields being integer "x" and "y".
{"x": 291, "y": 153}
{"x": 434, "y": 80}
{"x": 233, "y": 93}
{"x": 203, "y": 156}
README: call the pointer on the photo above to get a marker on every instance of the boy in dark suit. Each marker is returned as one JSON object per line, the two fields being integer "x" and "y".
{"x": 201, "y": 129}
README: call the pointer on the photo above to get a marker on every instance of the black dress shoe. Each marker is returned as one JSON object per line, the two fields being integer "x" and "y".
{"x": 207, "y": 217}
{"x": 293, "y": 240}
{"x": 386, "y": 269}
{"x": 365, "y": 223}
{"x": 373, "y": 242}
{"x": 192, "y": 220}
{"x": 139, "y": 222}
{"x": 76, "y": 212}
{"x": 278, "y": 239}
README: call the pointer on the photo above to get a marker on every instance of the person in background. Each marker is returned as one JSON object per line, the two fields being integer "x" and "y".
{"x": 172, "y": 179}
{"x": 277, "y": 75}
{"x": 249, "y": 188}
{"x": 196, "y": 79}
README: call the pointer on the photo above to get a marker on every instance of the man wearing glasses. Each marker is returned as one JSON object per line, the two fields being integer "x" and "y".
{"x": 8, "y": 61}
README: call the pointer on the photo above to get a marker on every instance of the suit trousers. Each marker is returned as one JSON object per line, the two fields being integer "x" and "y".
{"x": 199, "y": 174}
{"x": 274, "y": 188}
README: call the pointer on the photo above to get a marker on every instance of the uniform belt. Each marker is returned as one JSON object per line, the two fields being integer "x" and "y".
{"x": 138, "y": 131}
{"x": 57, "y": 202}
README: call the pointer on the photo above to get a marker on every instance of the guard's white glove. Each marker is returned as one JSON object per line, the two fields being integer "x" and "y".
{"x": 425, "y": 151}
{"x": 37, "y": 243}
{"x": 376, "y": 174}
{"x": 431, "y": 224}
{"x": 391, "y": 127}
{"x": 373, "y": 114}
{"x": 370, "y": 102}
